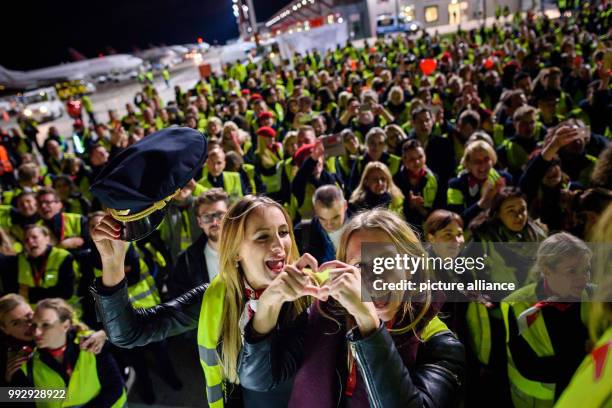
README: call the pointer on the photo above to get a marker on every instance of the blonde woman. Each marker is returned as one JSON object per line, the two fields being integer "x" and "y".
{"x": 391, "y": 352}
{"x": 395, "y": 139}
{"x": 17, "y": 341}
{"x": 377, "y": 189}
{"x": 259, "y": 271}
{"x": 58, "y": 362}
{"x": 396, "y": 104}
{"x": 235, "y": 139}
{"x": 592, "y": 381}
{"x": 473, "y": 190}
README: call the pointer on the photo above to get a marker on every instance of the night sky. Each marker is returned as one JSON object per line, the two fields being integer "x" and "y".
{"x": 40, "y": 32}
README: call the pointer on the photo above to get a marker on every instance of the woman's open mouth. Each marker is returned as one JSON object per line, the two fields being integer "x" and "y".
{"x": 276, "y": 265}
{"x": 381, "y": 301}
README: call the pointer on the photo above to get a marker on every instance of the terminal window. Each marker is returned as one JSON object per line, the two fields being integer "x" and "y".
{"x": 431, "y": 14}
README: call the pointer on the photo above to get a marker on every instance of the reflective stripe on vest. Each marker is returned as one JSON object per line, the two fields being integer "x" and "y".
{"x": 51, "y": 274}
{"x": 592, "y": 381}
{"x": 209, "y": 331}
{"x": 83, "y": 386}
{"x": 526, "y": 392}
{"x": 144, "y": 294}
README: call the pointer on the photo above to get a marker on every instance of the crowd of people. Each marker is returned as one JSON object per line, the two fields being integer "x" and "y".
{"x": 496, "y": 135}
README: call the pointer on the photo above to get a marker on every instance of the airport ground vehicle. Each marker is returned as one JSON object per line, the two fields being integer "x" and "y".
{"x": 42, "y": 104}
{"x": 389, "y": 23}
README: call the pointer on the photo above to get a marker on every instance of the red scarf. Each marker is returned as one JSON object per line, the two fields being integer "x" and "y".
{"x": 418, "y": 175}
{"x": 59, "y": 352}
{"x": 252, "y": 294}
{"x": 351, "y": 381}
{"x": 472, "y": 181}
{"x": 560, "y": 306}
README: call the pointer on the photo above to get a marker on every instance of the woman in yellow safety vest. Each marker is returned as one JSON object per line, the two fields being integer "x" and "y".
{"x": 43, "y": 270}
{"x": 81, "y": 377}
{"x": 545, "y": 322}
{"x": 391, "y": 351}
{"x": 591, "y": 385}
{"x": 268, "y": 160}
{"x": 258, "y": 262}
{"x": 377, "y": 188}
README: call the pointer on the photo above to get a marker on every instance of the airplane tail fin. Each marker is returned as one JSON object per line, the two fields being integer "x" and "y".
{"x": 75, "y": 55}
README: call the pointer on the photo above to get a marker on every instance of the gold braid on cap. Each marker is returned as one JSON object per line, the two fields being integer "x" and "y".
{"x": 125, "y": 216}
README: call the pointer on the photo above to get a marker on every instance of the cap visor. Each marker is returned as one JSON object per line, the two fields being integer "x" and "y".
{"x": 137, "y": 230}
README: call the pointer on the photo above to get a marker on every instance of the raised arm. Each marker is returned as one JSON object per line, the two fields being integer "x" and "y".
{"x": 126, "y": 326}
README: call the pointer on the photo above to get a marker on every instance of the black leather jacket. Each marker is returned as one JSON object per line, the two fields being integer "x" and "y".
{"x": 128, "y": 327}
{"x": 434, "y": 381}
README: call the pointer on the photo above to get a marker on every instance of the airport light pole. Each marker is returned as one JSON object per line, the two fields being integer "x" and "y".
{"x": 244, "y": 11}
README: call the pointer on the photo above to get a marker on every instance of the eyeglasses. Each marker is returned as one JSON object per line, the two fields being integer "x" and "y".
{"x": 48, "y": 202}
{"x": 209, "y": 218}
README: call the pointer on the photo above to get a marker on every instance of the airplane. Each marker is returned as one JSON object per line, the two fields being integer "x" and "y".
{"x": 159, "y": 57}
{"x": 86, "y": 69}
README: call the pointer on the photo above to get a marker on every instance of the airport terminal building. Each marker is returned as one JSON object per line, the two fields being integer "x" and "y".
{"x": 366, "y": 18}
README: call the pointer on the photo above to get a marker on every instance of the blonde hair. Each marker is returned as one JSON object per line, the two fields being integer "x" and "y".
{"x": 6, "y": 243}
{"x": 360, "y": 191}
{"x": 64, "y": 312}
{"x": 8, "y": 303}
{"x": 404, "y": 240}
{"x": 290, "y": 137}
{"x": 600, "y": 316}
{"x": 229, "y": 126}
{"x": 233, "y": 230}
{"x": 396, "y": 129}
{"x": 478, "y": 146}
